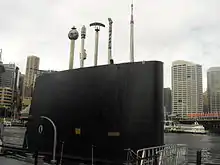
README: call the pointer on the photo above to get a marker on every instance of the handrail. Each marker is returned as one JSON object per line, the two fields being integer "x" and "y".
{"x": 169, "y": 153}
{"x": 53, "y": 161}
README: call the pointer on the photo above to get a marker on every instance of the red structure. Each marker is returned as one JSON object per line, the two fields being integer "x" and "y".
{"x": 204, "y": 115}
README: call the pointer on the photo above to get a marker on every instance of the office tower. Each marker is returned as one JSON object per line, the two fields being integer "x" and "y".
{"x": 21, "y": 84}
{"x": 20, "y": 91}
{"x": 32, "y": 68}
{"x": 8, "y": 78}
{"x": 9, "y": 87}
{"x": 213, "y": 82}
{"x": 167, "y": 101}
{"x": 187, "y": 94}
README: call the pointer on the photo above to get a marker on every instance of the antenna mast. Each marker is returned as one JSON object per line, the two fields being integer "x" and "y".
{"x": 132, "y": 35}
{"x": 82, "y": 53}
{"x": 110, "y": 41}
{"x": 0, "y": 55}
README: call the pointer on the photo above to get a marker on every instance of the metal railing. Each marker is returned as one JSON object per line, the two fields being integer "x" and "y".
{"x": 175, "y": 154}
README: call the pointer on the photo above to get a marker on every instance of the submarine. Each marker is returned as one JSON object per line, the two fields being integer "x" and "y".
{"x": 105, "y": 109}
{"x": 95, "y": 115}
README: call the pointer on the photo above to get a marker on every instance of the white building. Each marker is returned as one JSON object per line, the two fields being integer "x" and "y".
{"x": 213, "y": 78}
{"x": 187, "y": 90}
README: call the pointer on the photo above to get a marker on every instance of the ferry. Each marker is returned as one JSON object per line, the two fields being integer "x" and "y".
{"x": 196, "y": 128}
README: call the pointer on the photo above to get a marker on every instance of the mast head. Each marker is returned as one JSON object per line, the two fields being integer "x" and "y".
{"x": 83, "y": 32}
{"x": 97, "y": 25}
{"x": 73, "y": 34}
{"x": 110, "y": 20}
{"x": 132, "y": 6}
{"x": 132, "y": 17}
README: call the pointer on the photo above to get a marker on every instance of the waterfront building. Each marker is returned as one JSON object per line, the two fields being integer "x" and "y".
{"x": 167, "y": 101}
{"x": 213, "y": 89}
{"x": 187, "y": 90}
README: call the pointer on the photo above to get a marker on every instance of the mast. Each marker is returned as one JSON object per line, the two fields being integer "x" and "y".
{"x": 82, "y": 53}
{"x": 0, "y": 55}
{"x": 132, "y": 35}
{"x": 2, "y": 68}
{"x": 73, "y": 35}
{"x": 110, "y": 41}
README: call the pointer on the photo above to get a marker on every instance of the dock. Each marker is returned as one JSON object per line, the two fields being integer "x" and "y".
{"x": 175, "y": 154}
{"x": 10, "y": 161}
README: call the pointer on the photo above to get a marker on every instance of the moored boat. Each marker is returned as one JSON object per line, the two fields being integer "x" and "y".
{"x": 196, "y": 128}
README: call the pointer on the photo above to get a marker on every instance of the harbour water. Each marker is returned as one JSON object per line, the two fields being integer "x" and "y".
{"x": 210, "y": 143}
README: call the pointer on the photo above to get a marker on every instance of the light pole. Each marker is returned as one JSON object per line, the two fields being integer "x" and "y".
{"x": 53, "y": 161}
{"x": 93, "y": 154}
{"x": 97, "y": 26}
{"x": 61, "y": 154}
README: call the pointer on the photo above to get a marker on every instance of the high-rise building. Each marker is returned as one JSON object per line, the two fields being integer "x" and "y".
{"x": 167, "y": 101}
{"x": 32, "y": 68}
{"x": 21, "y": 85}
{"x": 8, "y": 78}
{"x": 6, "y": 96}
{"x": 213, "y": 78}
{"x": 20, "y": 91}
{"x": 187, "y": 91}
{"x": 9, "y": 87}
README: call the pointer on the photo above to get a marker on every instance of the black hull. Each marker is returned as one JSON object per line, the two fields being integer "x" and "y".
{"x": 183, "y": 132}
{"x": 113, "y": 107}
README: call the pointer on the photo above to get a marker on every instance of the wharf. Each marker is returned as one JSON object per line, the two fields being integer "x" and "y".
{"x": 13, "y": 137}
{"x": 10, "y": 161}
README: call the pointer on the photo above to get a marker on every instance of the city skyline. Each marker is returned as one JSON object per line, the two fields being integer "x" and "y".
{"x": 164, "y": 31}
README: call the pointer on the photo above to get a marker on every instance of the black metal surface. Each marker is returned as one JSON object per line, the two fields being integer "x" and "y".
{"x": 123, "y": 98}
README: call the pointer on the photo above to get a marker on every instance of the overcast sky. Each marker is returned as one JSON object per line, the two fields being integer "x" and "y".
{"x": 165, "y": 30}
